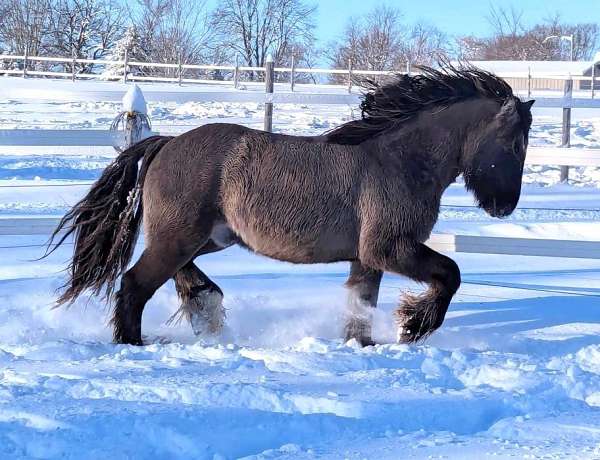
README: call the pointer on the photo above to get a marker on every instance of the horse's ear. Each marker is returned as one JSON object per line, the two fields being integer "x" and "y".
{"x": 528, "y": 104}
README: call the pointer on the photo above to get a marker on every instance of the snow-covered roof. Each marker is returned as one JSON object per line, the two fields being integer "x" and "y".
{"x": 536, "y": 67}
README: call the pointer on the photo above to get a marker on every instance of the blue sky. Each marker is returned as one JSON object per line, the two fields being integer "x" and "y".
{"x": 455, "y": 17}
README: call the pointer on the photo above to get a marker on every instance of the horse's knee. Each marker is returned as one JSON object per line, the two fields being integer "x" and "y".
{"x": 449, "y": 275}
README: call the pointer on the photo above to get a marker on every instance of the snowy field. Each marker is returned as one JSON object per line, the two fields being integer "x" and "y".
{"x": 513, "y": 373}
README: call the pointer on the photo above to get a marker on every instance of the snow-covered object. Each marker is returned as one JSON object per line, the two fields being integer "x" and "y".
{"x": 134, "y": 101}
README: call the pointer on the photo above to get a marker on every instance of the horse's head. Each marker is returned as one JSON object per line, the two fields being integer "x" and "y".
{"x": 493, "y": 158}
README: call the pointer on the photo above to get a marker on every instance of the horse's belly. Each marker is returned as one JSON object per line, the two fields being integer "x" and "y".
{"x": 297, "y": 245}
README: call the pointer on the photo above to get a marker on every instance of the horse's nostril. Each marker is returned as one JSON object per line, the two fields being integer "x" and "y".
{"x": 504, "y": 211}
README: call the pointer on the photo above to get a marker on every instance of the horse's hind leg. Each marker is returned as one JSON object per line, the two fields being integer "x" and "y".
{"x": 419, "y": 315}
{"x": 201, "y": 299}
{"x": 159, "y": 262}
{"x": 363, "y": 286}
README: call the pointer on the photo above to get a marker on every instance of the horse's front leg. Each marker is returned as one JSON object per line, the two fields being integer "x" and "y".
{"x": 420, "y": 315}
{"x": 363, "y": 287}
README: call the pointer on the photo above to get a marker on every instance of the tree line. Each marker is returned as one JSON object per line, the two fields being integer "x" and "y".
{"x": 246, "y": 31}
{"x": 513, "y": 39}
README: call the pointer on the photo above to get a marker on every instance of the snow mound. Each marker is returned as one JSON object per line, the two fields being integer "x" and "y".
{"x": 134, "y": 101}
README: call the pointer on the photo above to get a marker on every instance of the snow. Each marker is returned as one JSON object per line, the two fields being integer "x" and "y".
{"x": 513, "y": 373}
{"x": 134, "y": 101}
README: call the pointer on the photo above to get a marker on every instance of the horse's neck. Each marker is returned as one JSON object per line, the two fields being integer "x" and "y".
{"x": 436, "y": 138}
{"x": 418, "y": 149}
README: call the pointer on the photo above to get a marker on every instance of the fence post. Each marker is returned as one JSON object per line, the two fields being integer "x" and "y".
{"x": 269, "y": 84}
{"x": 566, "y": 125}
{"x": 593, "y": 80}
{"x": 130, "y": 131}
{"x": 528, "y": 82}
{"x": 349, "y": 75}
{"x": 25, "y": 56}
{"x": 179, "y": 68}
{"x": 125, "y": 66}
{"x": 73, "y": 66}
{"x": 293, "y": 73}
{"x": 236, "y": 73}
{"x": 408, "y": 68}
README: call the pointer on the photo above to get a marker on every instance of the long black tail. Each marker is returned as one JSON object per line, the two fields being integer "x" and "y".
{"x": 106, "y": 223}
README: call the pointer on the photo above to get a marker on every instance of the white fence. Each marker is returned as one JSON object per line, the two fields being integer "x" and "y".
{"x": 440, "y": 242}
{"x": 443, "y": 242}
{"x": 21, "y": 67}
{"x": 179, "y": 69}
{"x": 552, "y": 156}
{"x": 473, "y": 244}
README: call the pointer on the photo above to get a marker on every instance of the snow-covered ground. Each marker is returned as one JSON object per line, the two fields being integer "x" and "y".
{"x": 513, "y": 373}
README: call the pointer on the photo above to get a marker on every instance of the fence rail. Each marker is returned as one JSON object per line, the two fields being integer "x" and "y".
{"x": 543, "y": 247}
{"x": 23, "y": 61}
{"x": 473, "y": 244}
{"x": 61, "y": 137}
{"x": 548, "y": 156}
{"x": 178, "y": 68}
{"x": 560, "y": 156}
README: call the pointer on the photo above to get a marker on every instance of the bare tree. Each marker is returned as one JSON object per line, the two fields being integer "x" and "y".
{"x": 512, "y": 40}
{"x": 253, "y": 29}
{"x": 586, "y": 38}
{"x": 171, "y": 31}
{"x": 84, "y": 29}
{"x": 505, "y": 21}
{"x": 24, "y": 25}
{"x": 381, "y": 41}
{"x": 424, "y": 44}
{"x": 373, "y": 42}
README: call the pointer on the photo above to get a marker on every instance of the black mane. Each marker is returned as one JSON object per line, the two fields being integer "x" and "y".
{"x": 386, "y": 105}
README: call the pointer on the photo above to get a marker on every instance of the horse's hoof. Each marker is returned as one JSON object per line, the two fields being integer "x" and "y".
{"x": 362, "y": 341}
{"x": 406, "y": 336}
{"x": 137, "y": 343}
{"x": 367, "y": 342}
{"x": 206, "y": 313}
{"x": 155, "y": 339}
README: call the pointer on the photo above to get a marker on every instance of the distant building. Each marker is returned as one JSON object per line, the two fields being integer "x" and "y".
{"x": 545, "y": 75}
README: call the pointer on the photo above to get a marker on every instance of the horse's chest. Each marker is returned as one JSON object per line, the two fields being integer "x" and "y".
{"x": 395, "y": 209}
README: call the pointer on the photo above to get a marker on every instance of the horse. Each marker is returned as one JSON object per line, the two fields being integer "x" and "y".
{"x": 367, "y": 192}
